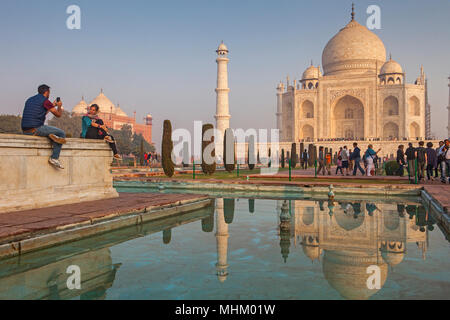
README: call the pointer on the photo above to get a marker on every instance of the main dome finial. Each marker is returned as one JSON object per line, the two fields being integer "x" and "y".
{"x": 353, "y": 12}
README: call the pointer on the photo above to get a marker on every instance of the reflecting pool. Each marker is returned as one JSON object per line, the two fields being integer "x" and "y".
{"x": 251, "y": 249}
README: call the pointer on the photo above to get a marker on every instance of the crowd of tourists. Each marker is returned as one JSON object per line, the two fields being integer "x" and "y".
{"x": 349, "y": 160}
{"x": 432, "y": 161}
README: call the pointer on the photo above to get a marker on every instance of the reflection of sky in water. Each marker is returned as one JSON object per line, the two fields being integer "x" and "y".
{"x": 327, "y": 254}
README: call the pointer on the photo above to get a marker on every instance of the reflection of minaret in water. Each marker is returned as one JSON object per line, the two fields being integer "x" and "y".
{"x": 285, "y": 231}
{"x": 222, "y": 242}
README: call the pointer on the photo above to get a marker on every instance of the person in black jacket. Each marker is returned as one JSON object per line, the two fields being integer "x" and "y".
{"x": 411, "y": 158}
{"x": 401, "y": 160}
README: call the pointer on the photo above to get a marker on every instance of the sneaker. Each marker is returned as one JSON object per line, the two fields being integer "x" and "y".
{"x": 57, "y": 139}
{"x": 117, "y": 156}
{"x": 55, "y": 163}
{"x": 109, "y": 139}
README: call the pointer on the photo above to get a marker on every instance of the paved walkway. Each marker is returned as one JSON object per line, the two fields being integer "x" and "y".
{"x": 441, "y": 193}
{"x": 18, "y": 225}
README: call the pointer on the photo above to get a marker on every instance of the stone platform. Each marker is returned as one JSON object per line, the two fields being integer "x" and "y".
{"x": 28, "y": 181}
{"x": 30, "y": 230}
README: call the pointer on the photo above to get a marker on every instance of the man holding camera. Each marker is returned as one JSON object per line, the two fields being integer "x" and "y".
{"x": 33, "y": 119}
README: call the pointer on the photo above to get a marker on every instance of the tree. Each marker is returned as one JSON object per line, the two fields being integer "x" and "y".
{"x": 228, "y": 210}
{"x": 231, "y": 147}
{"x": 283, "y": 160}
{"x": 270, "y": 158}
{"x": 139, "y": 142}
{"x": 294, "y": 155}
{"x": 209, "y": 146}
{"x": 167, "y": 148}
{"x": 124, "y": 139}
{"x": 10, "y": 124}
{"x": 251, "y": 153}
{"x": 71, "y": 125}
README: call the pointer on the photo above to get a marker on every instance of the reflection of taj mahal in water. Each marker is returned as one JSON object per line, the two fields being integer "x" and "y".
{"x": 346, "y": 237}
{"x": 349, "y": 237}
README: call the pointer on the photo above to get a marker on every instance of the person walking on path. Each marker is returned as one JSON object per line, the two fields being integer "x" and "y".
{"x": 421, "y": 160}
{"x": 345, "y": 157}
{"x": 431, "y": 161}
{"x": 356, "y": 158}
{"x": 370, "y": 157}
{"x": 339, "y": 165}
{"x": 411, "y": 158}
{"x": 401, "y": 160}
{"x": 438, "y": 167}
{"x": 444, "y": 159}
{"x": 305, "y": 158}
{"x": 33, "y": 119}
{"x": 328, "y": 158}
{"x": 321, "y": 160}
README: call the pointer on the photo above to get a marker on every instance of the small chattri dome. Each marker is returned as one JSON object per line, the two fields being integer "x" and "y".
{"x": 311, "y": 73}
{"x": 120, "y": 112}
{"x": 222, "y": 48}
{"x": 391, "y": 67}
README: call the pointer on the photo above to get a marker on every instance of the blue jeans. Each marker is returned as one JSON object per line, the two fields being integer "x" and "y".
{"x": 445, "y": 170}
{"x": 358, "y": 166}
{"x": 45, "y": 131}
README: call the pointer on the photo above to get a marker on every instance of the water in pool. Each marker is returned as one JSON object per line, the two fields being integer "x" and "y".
{"x": 251, "y": 249}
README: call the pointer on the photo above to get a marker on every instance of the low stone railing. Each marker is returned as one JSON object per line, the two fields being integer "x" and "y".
{"x": 28, "y": 181}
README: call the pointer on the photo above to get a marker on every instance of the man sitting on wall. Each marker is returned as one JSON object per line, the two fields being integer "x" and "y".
{"x": 33, "y": 119}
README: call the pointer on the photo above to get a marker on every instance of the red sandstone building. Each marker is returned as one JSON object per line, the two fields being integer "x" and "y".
{"x": 114, "y": 117}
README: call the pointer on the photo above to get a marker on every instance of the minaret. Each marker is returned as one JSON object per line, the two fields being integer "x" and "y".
{"x": 427, "y": 113}
{"x": 222, "y": 242}
{"x": 448, "y": 127}
{"x": 280, "y": 90}
{"x": 222, "y": 105}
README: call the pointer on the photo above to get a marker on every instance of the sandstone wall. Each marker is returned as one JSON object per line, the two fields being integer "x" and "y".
{"x": 27, "y": 181}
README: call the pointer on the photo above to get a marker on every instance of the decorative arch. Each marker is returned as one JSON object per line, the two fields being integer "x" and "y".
{"x": 347, "y": 115}
{"x": 414, "y": 130}
{"x": 391, "y": 80}
{"x": 390, "y": 106}
{"x": 391, "y": 130}
{"x": 307, "y": 110}
{"x": 414, "y": 106}
{"x": 308, "y": 132}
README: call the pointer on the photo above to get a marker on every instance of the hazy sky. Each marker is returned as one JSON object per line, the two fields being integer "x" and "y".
{"x": 158, "y": 57}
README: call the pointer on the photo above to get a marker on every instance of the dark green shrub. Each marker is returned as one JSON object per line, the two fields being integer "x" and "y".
{"x": 166, "y": 152}
{"x": 208, "y": 168}
{"x": 294, "y": 155}
{"x": 283, "y": 159}
{"x": 391, "y": 168}
{"x": 229, "y": 166}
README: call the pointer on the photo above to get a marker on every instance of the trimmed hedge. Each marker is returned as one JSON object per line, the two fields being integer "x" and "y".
{"x": 167, "y": 148}
{"x": 391, "y": 168}
{"x": 208, "y": 168}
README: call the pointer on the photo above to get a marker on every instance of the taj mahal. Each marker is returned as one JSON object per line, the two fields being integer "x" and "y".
{"x": 359, "y": 94}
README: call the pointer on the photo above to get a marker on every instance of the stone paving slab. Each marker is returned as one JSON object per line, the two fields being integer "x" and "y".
{"x": 440, "y": 193}
{"x": 24, "y": 224}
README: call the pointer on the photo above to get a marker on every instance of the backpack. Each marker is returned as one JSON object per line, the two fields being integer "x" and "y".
{"x": 421, "y": 154}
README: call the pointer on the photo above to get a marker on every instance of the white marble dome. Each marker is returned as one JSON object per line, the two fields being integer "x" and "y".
{"x": 390, "y": 67}
{"x": 81, "y": 107}
{"x": 105, "y": 105}
{"x": 354, "y": 49}
{"x": 311, "y": 73}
